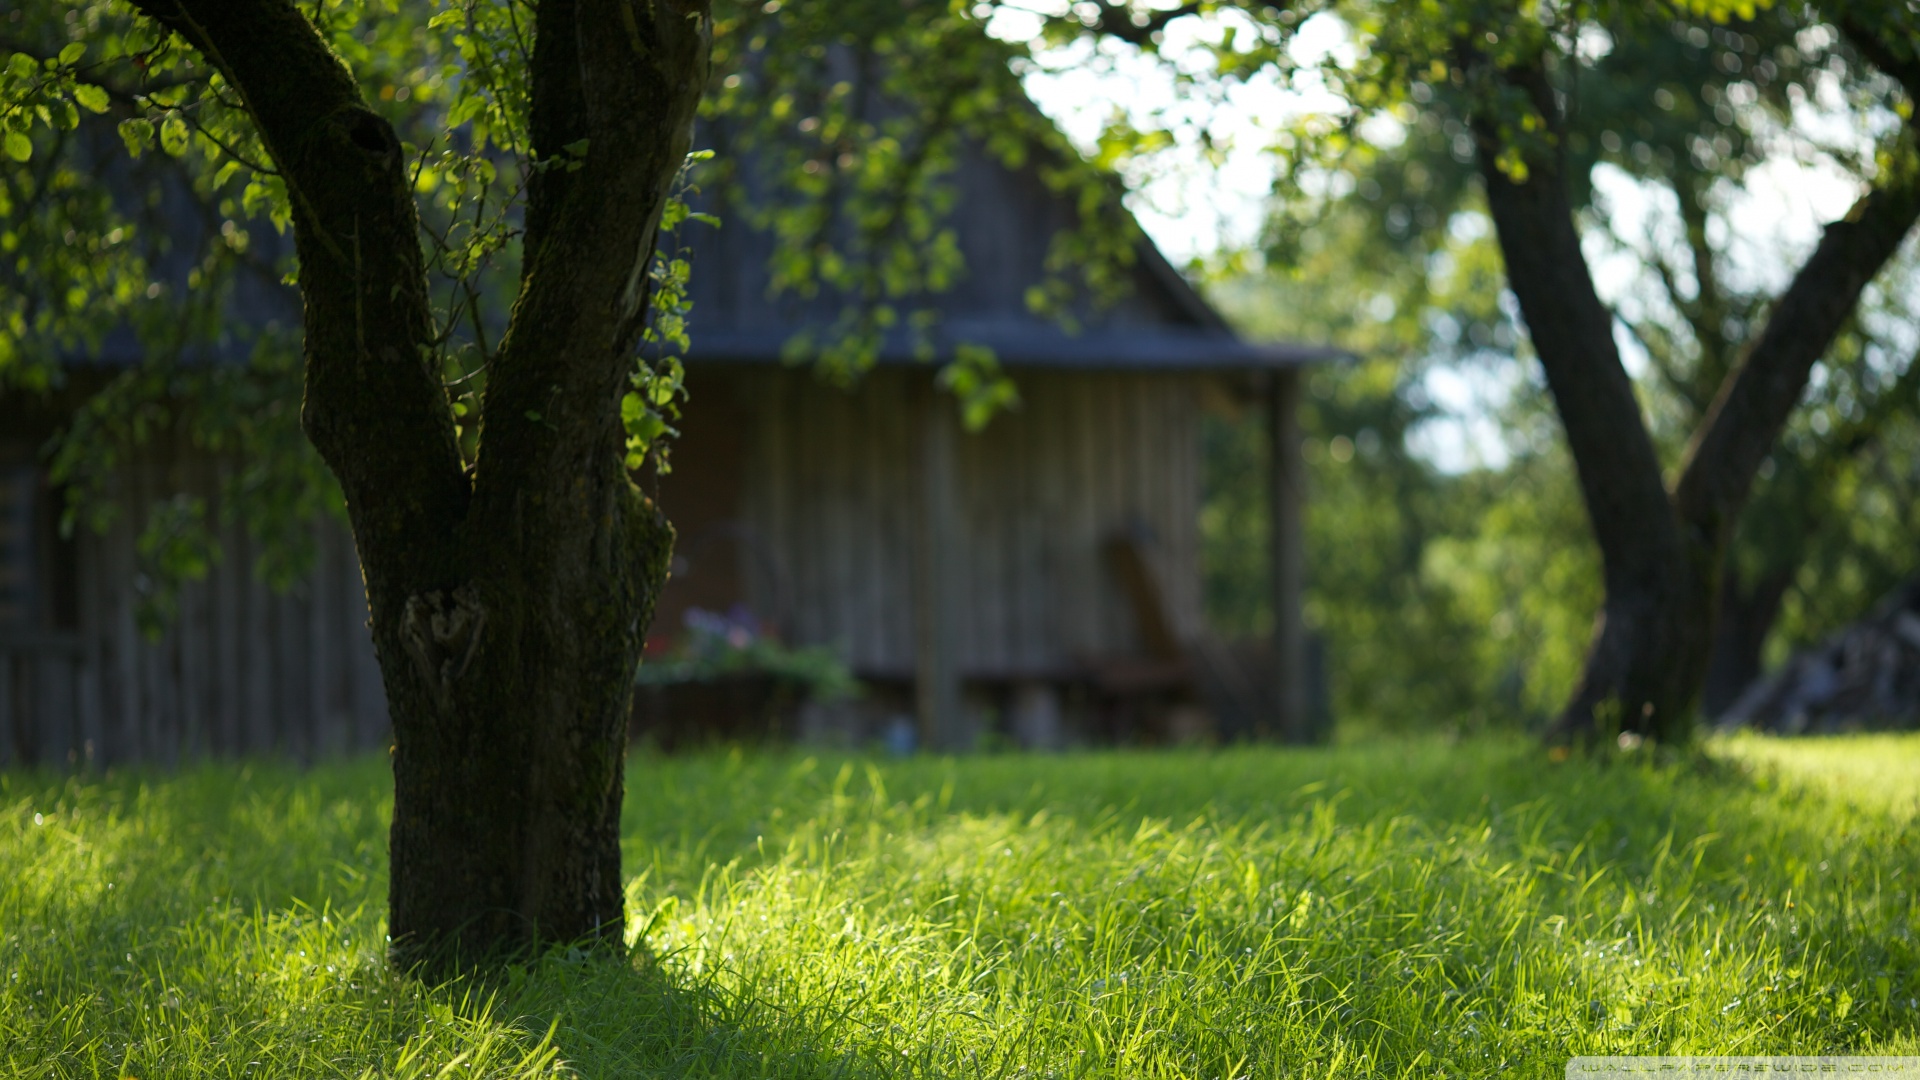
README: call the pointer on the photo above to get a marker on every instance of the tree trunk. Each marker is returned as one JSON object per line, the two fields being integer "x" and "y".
{"x": 1747, "y": 615}
{"x": 1641, "y": 659}
{"x": 508, "y": 605}
{"x": 1660, "y": 553}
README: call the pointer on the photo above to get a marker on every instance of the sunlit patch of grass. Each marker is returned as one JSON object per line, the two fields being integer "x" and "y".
{"x": 1408, "y": 908}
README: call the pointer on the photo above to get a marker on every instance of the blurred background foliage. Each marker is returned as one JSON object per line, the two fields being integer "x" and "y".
{"x": 1451, "y": 570}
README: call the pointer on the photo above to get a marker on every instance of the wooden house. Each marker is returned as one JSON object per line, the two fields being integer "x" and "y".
{"x": 1044, "y": 568}
{"x": 1034, "y": 576}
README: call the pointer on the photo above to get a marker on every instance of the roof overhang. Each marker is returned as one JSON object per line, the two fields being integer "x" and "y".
{"x": 1033, "y": 343}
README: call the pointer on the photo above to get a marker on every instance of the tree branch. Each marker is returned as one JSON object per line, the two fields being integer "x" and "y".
{"x": 1757, "y": 397}
{"x": 1118, "y": 21}
{"x": 1865, "y": 37}
{"x": 625, "y": 77}
{"x": 1572, "y": 331}
{"x": 374, "y": 408}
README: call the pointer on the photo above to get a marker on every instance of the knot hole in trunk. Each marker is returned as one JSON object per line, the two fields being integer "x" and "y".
{"x": 370, "y": 133}
{"x": 442, "y": 633}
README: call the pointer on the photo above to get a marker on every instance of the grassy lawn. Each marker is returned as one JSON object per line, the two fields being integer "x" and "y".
{"x": 1403, "y": 908}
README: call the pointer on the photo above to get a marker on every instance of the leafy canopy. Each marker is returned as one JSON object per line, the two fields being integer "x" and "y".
{"x": 146, "y": 225}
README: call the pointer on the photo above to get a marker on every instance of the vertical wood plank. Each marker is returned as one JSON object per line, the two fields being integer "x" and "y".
{"x": 123, "y": 729}
{"x": 1079, "y": 602}
{"x": 13, "y": 729}
{"x": 835, "y": 504}
{"x": 293, "y": 669}
{"x": 89, "y": 621}
{"x": 899, "y": 519}
{"x": 256, "y": 667}
{"x": 1037, "y": 509}
{"x": 979, "y": 587}
{"x": 54, "y": 679}
{"x": 874, "y": 566}
{"x": 937, "y": 681}
{"x": 1186, "y": 444}
{"x": 225, "y": 705}
{"x": 323, "y": 633}
{"x": 195, "y": 629}
{"x": 781, "y": 590}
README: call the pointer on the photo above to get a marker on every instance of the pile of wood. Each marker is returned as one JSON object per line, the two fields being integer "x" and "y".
{"x": 1866, "y": 676}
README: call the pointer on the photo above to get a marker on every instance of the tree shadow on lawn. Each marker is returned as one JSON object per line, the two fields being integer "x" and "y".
{"x": 230, "y": 917}
{"x": 611, "y": 1016}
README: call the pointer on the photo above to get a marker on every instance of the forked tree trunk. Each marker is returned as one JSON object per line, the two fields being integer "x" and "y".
{"x": 509, "y": 605}
{"x": 1747, "y": 615}
{"x": 1661, "y": 552}
{"x": 1637, "y": 665}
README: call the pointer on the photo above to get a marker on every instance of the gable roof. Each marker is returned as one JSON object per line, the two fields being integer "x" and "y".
{"x": 1005, "y": 220}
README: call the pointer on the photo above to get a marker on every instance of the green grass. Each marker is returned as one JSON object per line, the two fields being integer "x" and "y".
{"x": 1406, "y": 908}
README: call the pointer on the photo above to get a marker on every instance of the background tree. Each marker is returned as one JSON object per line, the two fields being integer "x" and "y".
{"x": 1661, "y": 551}
{"x": 1380, "y": 255}
{"x": 1510, "y": 80}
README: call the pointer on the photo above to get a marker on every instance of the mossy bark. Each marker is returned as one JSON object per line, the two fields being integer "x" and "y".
{"x": 508, "y": 603}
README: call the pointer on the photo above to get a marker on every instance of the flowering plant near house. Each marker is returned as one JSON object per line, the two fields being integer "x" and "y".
{"x": 714, "y": 646}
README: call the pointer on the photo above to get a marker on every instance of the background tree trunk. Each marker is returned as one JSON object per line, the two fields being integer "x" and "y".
{"x": 508, "y": 606}
{"x": 1747, "y": 614}
{"x": 1661, "y": 555}
{"x": 1642, "y": 660}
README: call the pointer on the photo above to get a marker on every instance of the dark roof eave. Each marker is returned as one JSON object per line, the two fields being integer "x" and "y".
{"x": 1145, "y": 348}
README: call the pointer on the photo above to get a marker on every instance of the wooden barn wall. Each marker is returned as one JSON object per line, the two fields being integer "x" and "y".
{"x": 242, "y": 669}
{"x": 832, "y": 483}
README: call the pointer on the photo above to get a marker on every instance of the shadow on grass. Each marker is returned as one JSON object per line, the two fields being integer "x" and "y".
{"x": 611, "y": 1016}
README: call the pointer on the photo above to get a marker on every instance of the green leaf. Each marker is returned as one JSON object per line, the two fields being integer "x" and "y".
{"x": 91, "y": 97}
{"x": 73, "y": 52}
{"x": 174, "y": 136}
{"x": 20, "y": 66}
{"x": 19, "y": 147}
{"x": 137, "y": 133}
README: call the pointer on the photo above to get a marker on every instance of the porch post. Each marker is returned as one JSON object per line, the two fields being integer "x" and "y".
{"x": 1286, "y": 504}
{"x": 936, "y": 673}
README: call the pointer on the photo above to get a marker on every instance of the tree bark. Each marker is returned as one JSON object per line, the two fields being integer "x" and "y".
{"x": 508, "y": 606}
{"x": 1635, "y": 673}
{"x": 1747, "y": 614}
{"x": 1660, "y": 554}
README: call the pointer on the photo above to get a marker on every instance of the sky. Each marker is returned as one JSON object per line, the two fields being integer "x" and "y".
{"x": 1195, "y": 208}
{"x": 1192, "y": 207}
